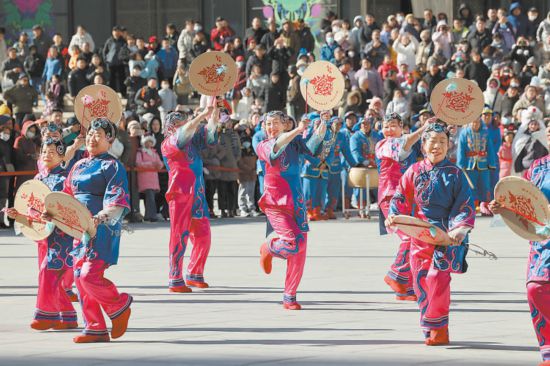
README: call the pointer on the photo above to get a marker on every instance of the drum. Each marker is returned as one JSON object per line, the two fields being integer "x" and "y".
{"x": 421, "y": 230}
{"x": 29, "y": 202}
{"x": 358, "y": 177}
{"x": 69, "y": 215}
{"x": 525, "y": 207}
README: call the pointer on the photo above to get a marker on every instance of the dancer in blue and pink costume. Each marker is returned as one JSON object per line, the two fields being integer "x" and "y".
{"x": 100, "y": 183}
{"x": 283, "y": 201}
{"x": 394, "y": 154}
{"x": 436, "y": 191}
{"x": 186, "y": 198}
{"x": 538, "y": 266}
{"x": 54, "y": 309}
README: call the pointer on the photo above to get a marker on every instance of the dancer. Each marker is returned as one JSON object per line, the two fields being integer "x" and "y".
{"x": 189, "y": 219}
{"x": 100, "y": 183}
{"x": 283, "y": 201}
{"x": 395, "y": 153}
{"x": 54, "y": 309}
{"x": 538, "y": 265}
{"x": 438, "y": 192}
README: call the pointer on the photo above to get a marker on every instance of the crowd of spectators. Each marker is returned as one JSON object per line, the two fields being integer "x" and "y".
{"x": 389, "y": 65}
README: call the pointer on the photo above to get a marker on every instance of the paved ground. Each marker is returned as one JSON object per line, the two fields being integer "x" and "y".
{"x": 350, "y": 316}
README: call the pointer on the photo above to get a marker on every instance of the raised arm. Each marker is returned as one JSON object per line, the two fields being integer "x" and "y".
{"x": 185, "y": 133}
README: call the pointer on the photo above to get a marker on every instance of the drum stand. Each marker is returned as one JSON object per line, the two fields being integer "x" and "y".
{"x": 364, "y": 213}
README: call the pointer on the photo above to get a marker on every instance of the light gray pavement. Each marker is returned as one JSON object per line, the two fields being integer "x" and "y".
{"x": 349, "y": 316}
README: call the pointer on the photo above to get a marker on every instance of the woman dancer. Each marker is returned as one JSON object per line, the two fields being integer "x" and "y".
{"x": 283, "y": 201}
{"x": 184, "y": 139}
{"x": 100, "y": 183}
{"x": 538, "y": 267}
{"x": 438, "y": 192}
{"x": 54, "y": 309}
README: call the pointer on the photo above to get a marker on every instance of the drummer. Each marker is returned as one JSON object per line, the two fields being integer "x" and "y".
{"x": 100, "y": 183}
{"x": 54, "y": 309}
{"x": 362, "y": 144}
{"x": 341, "y": 159}
{"x": 315, "y": 168}
{"x": 538, "y": 266}
{"x": 439, "y": 193}
{"x": 395, "y": 153}
{"x": 283, "y": 201}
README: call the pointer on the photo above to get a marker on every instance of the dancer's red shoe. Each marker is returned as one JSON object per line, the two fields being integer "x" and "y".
{"x": 406, "y": 298}
{"x": 66, "y": 325}
{"x": 41, "y": 324}
{"x": 86, "y": 338}
{"x": 197, "y": 284}
{"x": 120, "y": 324}
{"x": 180, "y": 289}
{"x": 438, "y": 337}
{"x": 265, "y": 258}
{"x": 395, "y": 286}
{"x": 292, "y": 306}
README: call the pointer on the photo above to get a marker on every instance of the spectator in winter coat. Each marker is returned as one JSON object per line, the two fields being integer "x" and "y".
{"x": 133, "y": 83}
{"x": 543, "y": 31}
{"x": 327, "y": 50}
{"x": 259, "y": 58}
{"x": 115, "y": 66}
{"x": 294, "y": 96}
{"x": 211, "y": 157}
{"x": 80, "y": 37}
{"x": 480, "y": 37}
{"x": 399, "y": 105}
{"x": 168, "y": 57}
{"x": 518, "y": 19}
{"x": 406, "y": 47}
{"x": 34, "y": 66}
{"x": 307, "y": 41}
{"x": 275, "y": 94}
{"x": 148, "y": 182}
{"x": 443, "y": 39}
{"x": 11, "y": 68}
{"x": 25, "y": 151}
{"x": 356, "y": 36}
{"x": 247, "y": 171}
{"x": 22, "y": 97}
{"x": 375, "y": 50}
{"x": 78, "y": 77}
{"x": 147, "y": 98}
{"x": 492, "y": 96}
{"x": 228, "y": 185}
{"x": 476, "y": 70}
{"x": 52, "y": 67}
{"x": 41, "y": 40}
{"x": 221, "y": 34}
{"x": 256, "y": 31}
{"x": 168, "y": 99}
{"x": 185, "y": 42}
{"x": 268, "y": 39}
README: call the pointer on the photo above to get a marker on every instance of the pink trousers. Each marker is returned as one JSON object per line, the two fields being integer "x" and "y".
{"x": 538, "y": 296}
{"x": 182, "y": 228}
{"x": 291, "y": 244}
{"x": 97, "y": 293}
{"x": 52, "y": 303}
{"x": 432, "y": 287}
{"x": 400, "y": 269}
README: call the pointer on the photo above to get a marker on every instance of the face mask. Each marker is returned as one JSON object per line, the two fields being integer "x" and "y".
{"x": 421, "y": 89}
{"x": 4, "y": 136}
{"x": 330, "y": 40}
{"x": 30, "y": 135}
{"x": 532, "y": 18}
{"x": 197, "y": 28}
{"x": 351, "y": 54}
{"x": 400, "y": 18}
{"x": 335, "y": 29}
{"x": 246, "y": 144}
{"x": 240, "y": 64}
{"x": 514, "y": 85}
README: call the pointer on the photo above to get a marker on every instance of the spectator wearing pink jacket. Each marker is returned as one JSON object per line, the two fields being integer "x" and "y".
{"x": 505, "y": 155}
{"x": 148, "y": 182}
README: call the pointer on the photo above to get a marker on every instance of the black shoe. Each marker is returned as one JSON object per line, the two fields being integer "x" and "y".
{"x": 224, "y": 214}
